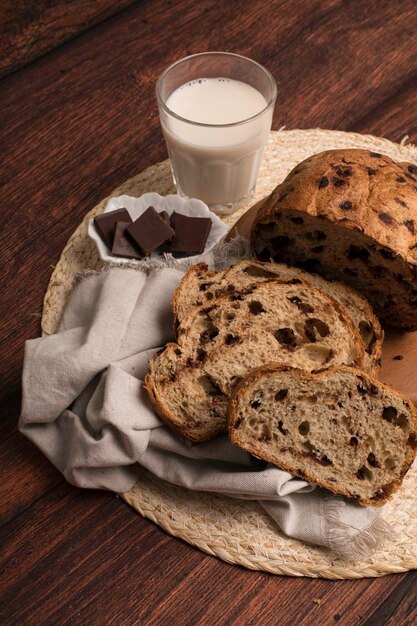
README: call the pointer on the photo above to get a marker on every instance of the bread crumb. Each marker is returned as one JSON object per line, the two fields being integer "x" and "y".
{"x": 317, "y": 601}
{"x": 398, "y": 357}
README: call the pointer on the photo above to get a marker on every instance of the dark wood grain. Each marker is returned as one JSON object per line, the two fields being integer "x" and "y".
{"x": 32, "y": 27}
{"x": 75, "y": 124}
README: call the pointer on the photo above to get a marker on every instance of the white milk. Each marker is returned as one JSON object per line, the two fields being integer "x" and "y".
{"x": 219, "y": 165}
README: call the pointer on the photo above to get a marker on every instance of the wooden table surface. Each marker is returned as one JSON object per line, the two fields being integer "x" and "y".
{"x": 75, "y": 123}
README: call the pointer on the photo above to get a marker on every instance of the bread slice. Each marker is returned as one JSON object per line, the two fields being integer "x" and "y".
{"x": 350, "y": 215}
{"x": 200, "y": 285}
{"x": 337, "y": 428}
{"x": 190, "y": 381}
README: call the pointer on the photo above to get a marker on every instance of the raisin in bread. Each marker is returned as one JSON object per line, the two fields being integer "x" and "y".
{"x": 190, "y": 381}
{"x": 200, "y": 285}
{"x": 338, "y": 428}
{"x": 349, "y": 215}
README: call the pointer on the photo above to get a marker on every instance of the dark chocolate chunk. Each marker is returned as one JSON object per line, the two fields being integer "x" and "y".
{"x": 355, "y": 252}
{"x": 410, "y": 225}
{"x": 398, "y": 357}
{"x": 173, "y": 219}
{"x": 338, "y": 182}
{"x": 412, "y": 169}
{"x": 122, "y": 246}
{"x": 346, "y": 172}
{"x": 191, "y": 234}
{"x": 256, "y": 308}
{"x": 375, "y": 155}
{"x": 389, "y": 414}
{"x": 315, "y": 328}
{"x": 297, "y": 220}
{"x": 281, "y": 394}
{"x": 166, "y": 246}
{"x": 400, "y": 202}
{"x": 230, "y": 340}
{"x": 400, "y": 179}
{"x": 286, "y": 337}
{"x": 149, "y": 231}
{"x": 412, "y": 440}
{"x": 281, "y": 428}
{"x": 371, "y": 171}
{"x": 385, "y": 217}
{"x": 323, "y": 182}
{"x": 254, "y": 270}
{"x": 105, "y": 224}
{"x": 346, "y": 205}
{"x": 303, "y": 306}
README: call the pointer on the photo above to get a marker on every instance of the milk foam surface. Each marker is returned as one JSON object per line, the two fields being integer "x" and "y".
{"x": 216, "y": 101}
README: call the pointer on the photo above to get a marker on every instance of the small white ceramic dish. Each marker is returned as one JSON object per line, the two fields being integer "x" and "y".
{"x": 170, "y": 203}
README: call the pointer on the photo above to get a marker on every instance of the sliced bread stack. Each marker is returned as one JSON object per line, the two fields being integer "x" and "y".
{"x": 262, "y": 351}
{"x": 287, "y": 321}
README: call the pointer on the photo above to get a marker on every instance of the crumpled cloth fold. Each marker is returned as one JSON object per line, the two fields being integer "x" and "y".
{"x": 85, "y": 407}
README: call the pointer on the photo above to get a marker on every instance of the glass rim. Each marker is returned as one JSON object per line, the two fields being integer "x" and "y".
{"x": 169, "y": 111}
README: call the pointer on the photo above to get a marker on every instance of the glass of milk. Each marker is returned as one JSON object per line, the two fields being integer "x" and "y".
{"x": 216, "y": 113}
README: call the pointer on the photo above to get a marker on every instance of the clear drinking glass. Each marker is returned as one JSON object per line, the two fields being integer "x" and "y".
{"x": 218, "y": 163}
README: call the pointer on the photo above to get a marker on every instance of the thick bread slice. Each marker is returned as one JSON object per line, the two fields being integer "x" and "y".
{"x": 349, "y": 215}
{"x": 338, "y": 428}
{"x": 201, "y": 285}
{"x": 189, "y": 382}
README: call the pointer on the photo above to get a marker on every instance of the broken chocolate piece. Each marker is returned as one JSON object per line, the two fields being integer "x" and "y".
{"x": 105, "y": 224}
{"x": 149, "y": 231}
{"x": 191, "y": 233}
{"x": 122, "y": 245}
{"x": 173, "y": 219}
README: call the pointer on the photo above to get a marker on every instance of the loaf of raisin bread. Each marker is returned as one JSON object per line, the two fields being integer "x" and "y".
{"x": 349, "y": 215}
{"x": 338, "y": 429}
{"x": 290, "y": 322}
{"x": 200, "y": 285}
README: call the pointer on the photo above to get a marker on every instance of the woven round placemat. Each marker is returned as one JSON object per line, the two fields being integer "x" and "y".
{"x": 239, "y": 531}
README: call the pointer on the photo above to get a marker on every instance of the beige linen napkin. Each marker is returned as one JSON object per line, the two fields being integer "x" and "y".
{"x": 85, "y": 407}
